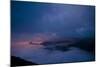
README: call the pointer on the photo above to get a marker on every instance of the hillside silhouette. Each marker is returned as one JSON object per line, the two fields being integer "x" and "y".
{"x": 16, "y": 61}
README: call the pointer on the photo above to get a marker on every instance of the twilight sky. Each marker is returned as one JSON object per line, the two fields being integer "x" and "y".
{"x": 34, "y": 21}
{"x": 64, "y": 20}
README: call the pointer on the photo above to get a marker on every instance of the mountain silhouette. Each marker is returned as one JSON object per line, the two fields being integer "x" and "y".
{"x": 16, "y": 61}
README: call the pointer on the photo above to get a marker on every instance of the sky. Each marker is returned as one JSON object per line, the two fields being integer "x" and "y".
{"x": 39, "y": 22}
{"x": 31, "y": 18}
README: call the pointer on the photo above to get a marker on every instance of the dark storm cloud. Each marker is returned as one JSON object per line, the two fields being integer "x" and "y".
{"x": 70, "y": 20}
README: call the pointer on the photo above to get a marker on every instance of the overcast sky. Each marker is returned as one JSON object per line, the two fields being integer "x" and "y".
{"x": 42, "y": 21}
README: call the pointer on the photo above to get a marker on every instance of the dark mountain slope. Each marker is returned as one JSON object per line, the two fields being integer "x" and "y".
{"x": 16, "y": 61}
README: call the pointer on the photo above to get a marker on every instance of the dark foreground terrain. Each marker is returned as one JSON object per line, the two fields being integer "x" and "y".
{"x": 16, "y": 61}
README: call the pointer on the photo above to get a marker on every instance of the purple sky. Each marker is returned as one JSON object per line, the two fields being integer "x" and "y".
{"x": 39, "y": 22}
